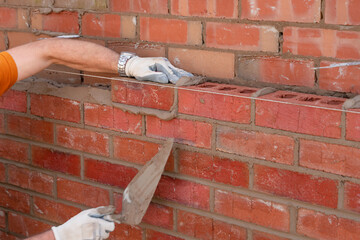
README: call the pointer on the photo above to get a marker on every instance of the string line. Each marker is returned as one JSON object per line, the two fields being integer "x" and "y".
{"x": 204, "y": 91}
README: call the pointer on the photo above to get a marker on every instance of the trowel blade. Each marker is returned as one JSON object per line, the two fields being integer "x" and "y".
{"x": 138, "y": 194}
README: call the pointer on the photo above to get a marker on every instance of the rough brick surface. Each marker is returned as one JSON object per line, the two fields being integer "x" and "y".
{"x": 8, "y": 17}
{"x": 142, "y": 6}
{"x": 37, "y": 3}
{"x": 101, "y": 25}
{"x": 295, "y": 185}
{"x": 260, "y": 145}
{"x": 123, "y": 231}
{"x": 342, "y": 12}
{"x": 66, "y": 22}
{"x": 153, "y": 235}
{"x": 352, "y": 125}
{"x": 194, "y": 225}
{"x": 225, "y": 231}
{"x": 13, "y": 150}
{"x": 330, "y": 158}
{"x": 2, "y": 173}
{"x": 26, "y": 226}
{"x": 2, "y": 41}
{"x": 352, "y": 196}
{"x": 266, "y": 236}
{"x": 82, "y": 4}
{"x": 14, "y": 200}
{"x": 159, "y": 215}
{"x": 14, "y": 101}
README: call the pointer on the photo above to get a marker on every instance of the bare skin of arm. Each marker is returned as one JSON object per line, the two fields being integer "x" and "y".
{"x": 33, "y": 57}
{"x": 48, "y": 235}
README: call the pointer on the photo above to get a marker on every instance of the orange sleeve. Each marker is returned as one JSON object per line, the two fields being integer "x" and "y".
{"x": 8, "y": 72}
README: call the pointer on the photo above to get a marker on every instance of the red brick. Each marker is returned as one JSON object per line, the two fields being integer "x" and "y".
{"x": 2, "y": 220}
{"x": 54, "y": 211}
{"x": 322, "y": 42}
{"x": 2, "y": 42}
{"x": 153, "y": 235}
{"x": 14, "y": 101}
{"x": 333, "y": 158}
{"x": 2, "y": 121}
{"x": 101, "y": 25}
{"x": 14, "y": 200}
{"x": 56, "y": 160}
{"x": 342, "y": 12}
{"x": 141, "y": 49}
{"x": 303, "y": 187}
{"x": 25, "y": 225}
{"x": 288, "y": 10}
{"x": 33, "y": 180}
{"x": 13, "y": 150}
{"x": 184, "y": 192}
{"x": 32, "y": 129}
{"x": 82, "y": 193}
{"x": 213, "y": 168}
{"x": 183, "y": 131}
{"x": 170, "y": 31}
{"x": 6, "y": 236}
{"x": 194, "y": 225}
{"x": 83, "y": 140}
{"x": 340, "y": 79}
{"x": 55, "y": 107}
{"x": 352, "y": 197}
{"x": 301, "y": 119}
{"x": 205, "y": 8}
{"x": 321, "y": 226}
{"x": 159, "y": 215}
{"x": 352, "y": 125}
{"x": 242, "y": 37}
{"x": 113, "y": 174}
{"x": 254, "y": 210}
{"x": 142, "y": 6}
{"x": 8, "y": 17}
{"x": 2, "y": 172}
{"x": 112, "y": 118}
{"x": 123, "y": 231}
{"x": 213, "y": 104}
{"x": 266, "y": 236}
{"x": 142, "y": 95}
{"x": 225, "y": 231}
{"x": 277, "y": 70}
{"x": 64, "y": 21}
{"x": 205, "y": 63}
{"x": 275, "y": 148}
{"x": 21, "y": 38}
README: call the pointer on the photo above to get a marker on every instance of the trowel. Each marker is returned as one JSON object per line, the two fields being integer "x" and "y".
{"x": 138, "y": 194}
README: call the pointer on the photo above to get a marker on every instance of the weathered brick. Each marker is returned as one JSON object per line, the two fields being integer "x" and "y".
{"x": 25, "y": 225}
{"x": 101, "y": 25}
{"x": 184, "y": 192}
{"x": 82, "y": 193}
{"x": 56, "y": 160}
{"x": 83, "y": 140}
{"x": 159, "y": 215}
{"x": 2, "y": 219}
{"x": 33, "y": 180}
{"x": 275, "y": 148}
{"x": 112, "y": 118}
{"x": 124, "y": 231}
{"x": 7, "y": 236}
{"x": 142, "y": 95}
{"x": 153, "y": 235}
{"x": 213, "y": 168}
{"x": 65, "y": 21}
{"x": 170, "y": 31}
{"x": 352, "y": 125}
{"x": 53, "y": 211}
{"x": 14, "y": 101}
{"x": 82, "y": 4}
{"x": 2, "y": 42}
{"x": 142, "y": 6}
{"x": 194, "y": 225}
{"x": 331, "y": 158}
{"x": 21, "y": 38}
{"x": 303, "y": 187}
{"x": 226, "y": 231}
{"x": 23, "y": 21}
{"x": 14, "y": 200}
{"x": 8, "y": 17}
{"x": 340, "y": 79}
{"x": 108, "y": 173}
{"x": 32, "y": 3}
{"x": 2, "y": 172}
{"x": 205, "y": 63}
{"x": 205, "y": 8}
{"x": 266, "y": 236}
{"x": 321, "y": 226}
{"x": 33, "y": 129}
{"x": 301, "y": 119}
{"x": 242, "y": 37}
{"x": 213, "y": 104}
{"x": 183, "y": 131}
{"x": 286, "y": 10}
{"x": 254, "y": 210}
{"x": 352, "y": 197}
{"x": 2, "y": 121}
{"x": 277, "y": 70}
{"x": 342, "y": 12}
{"x": 322, "y": 42}
{"x": 55, "y": 107}
{"x": 13, "y": 150}
{"x": 140, "y": 49}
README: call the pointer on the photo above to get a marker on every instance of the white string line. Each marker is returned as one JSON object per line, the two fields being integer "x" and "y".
{"x": 204, "y": 91}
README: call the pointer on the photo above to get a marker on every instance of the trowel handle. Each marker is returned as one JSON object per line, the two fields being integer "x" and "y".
{"x": 108, "y": 217}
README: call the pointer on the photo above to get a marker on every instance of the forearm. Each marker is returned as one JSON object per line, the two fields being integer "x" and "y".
{"x": 34, "y": 57}
{"x": 48, "y": 235}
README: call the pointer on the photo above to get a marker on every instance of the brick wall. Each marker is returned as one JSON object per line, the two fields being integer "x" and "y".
{"x": 240, "y": 169}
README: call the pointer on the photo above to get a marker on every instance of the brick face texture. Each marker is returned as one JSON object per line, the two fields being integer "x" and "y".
{"x": 282, "y": 166}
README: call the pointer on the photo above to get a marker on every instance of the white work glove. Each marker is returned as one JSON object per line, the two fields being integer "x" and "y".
{"x": 154, "y": 69}
{"x": 84, "y": 227}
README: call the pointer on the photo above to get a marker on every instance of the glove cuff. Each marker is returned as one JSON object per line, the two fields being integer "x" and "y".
{"x": 56, "y": 233}
{"x": 123, "y": 59}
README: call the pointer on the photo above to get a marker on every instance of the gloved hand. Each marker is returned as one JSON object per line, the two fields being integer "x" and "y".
{"x": 154, "y": 69}
{"x": 82, "y": 226}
